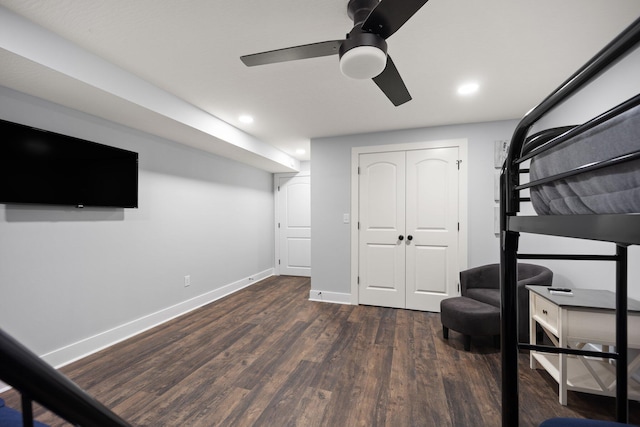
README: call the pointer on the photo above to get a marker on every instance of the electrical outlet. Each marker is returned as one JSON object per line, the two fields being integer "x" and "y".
{"x": 187, "y": 281}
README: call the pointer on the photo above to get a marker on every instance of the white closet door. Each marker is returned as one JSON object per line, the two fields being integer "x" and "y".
{"x": 382, "y": 221}
{"x": 432, "y": 224}
{"x": 294, "y": 211}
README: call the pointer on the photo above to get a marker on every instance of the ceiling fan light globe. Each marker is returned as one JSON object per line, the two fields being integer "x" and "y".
{"x": 363, "y": 62}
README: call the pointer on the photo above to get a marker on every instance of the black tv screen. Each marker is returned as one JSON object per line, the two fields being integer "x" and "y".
{"x": 42, "y": 167}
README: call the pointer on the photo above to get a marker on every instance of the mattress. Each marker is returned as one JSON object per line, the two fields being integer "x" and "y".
{"x": 610, "y": 190}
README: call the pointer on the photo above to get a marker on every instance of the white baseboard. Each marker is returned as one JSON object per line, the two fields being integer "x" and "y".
{"x": 68, "y": 354}
{"x": 333, "y": 297}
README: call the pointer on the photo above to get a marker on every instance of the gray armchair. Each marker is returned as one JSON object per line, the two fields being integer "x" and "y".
{"x": 483, "y": 284}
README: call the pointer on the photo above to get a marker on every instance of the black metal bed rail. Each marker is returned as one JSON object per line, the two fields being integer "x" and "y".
{"x": 533, "y": 142}
{"x": 577, "y": 130}
{"x": 38, "y": 381}
{"x": 582, "y": 169}
{"x": 564, "y": 135}
{"x": 622, "y": 229}
{"x": 578, "y": 257}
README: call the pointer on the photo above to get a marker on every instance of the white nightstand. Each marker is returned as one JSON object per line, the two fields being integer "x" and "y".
{"x": 585, "y": 317}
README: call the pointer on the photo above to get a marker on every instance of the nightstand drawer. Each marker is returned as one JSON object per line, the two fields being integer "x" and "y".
{"x": 545, "y": 312}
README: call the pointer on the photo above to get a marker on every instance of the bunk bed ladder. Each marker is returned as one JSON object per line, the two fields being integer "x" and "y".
{"x": 509, "y": 333}
{"x": 621, "y": 357}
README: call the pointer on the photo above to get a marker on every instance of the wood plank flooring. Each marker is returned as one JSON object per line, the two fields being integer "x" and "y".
{"x": 266, "y": 356}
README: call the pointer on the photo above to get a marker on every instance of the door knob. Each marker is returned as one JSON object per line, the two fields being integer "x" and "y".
{"x": 401, "y": 237}
{"x": 409, "y": 237}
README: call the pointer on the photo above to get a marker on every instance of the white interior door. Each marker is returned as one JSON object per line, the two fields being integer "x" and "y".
{"x": 382, "y": 216}
{"x": 294, "y": 225}
{"x": 408, "y": 236}
{"x": 432, "y": 222}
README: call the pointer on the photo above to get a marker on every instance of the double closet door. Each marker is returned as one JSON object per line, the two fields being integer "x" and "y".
{"x": 408, "y": 228}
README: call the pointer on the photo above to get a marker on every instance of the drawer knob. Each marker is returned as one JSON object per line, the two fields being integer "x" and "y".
{"x": 544, "y": 312}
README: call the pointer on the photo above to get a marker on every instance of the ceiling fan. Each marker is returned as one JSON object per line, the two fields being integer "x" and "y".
{"x": 363, "y": 54}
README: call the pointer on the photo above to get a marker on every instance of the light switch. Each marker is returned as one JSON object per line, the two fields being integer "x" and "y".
{"x": 345, "y": 218}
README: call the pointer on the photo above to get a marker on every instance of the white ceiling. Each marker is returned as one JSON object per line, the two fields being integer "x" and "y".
{"x": 517, "y": 50}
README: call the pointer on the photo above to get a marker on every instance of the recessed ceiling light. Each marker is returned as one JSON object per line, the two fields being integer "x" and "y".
{"x": 301, "y": 151}
{"x": 468, "y": 88}
{"x": 245, "y": 118}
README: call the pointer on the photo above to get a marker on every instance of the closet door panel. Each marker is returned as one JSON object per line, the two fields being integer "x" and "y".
{"x": 430, "y": 270}
{"x": 432, "y": 222}
{"x": 382, "y": 222}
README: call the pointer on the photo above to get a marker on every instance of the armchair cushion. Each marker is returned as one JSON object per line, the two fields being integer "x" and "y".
{"x": 485, "y": 295}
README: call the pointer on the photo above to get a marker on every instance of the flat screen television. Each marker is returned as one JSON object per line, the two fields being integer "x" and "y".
{"x": 41, "y": 167}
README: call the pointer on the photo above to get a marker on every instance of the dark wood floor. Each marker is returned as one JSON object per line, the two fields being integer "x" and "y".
{"x": 266, "y": 356}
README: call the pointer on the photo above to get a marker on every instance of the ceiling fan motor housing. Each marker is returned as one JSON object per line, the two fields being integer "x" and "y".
{"x": 363, "y": 55}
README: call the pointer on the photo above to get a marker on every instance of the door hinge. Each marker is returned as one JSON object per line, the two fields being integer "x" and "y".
{"x": 279, "y": 186}
{"x": 358, "y": 280}
{"x": 358, "y": 170}
{"x": 458, "y": 226}
{"x": 458, "y": 162}
{"x": 278, "y": 225}
{"x": 358, "y": 225}
{"x": 278, "y": 262}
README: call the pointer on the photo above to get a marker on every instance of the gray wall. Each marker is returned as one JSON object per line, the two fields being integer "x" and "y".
{"x": 67, "y": 274}
{"x": 330, "y": 195}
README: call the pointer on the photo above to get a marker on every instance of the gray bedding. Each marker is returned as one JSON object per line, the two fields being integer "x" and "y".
{"x": 605, "y": 191}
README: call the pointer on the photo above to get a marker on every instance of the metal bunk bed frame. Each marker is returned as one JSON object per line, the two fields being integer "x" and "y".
{"x": 621, "y": 229}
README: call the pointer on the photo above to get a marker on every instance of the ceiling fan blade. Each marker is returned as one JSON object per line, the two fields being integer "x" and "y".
{"x": 312, "y": 50}
{"x": 389, "y": 15}
{"x": 390, "y": 82}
